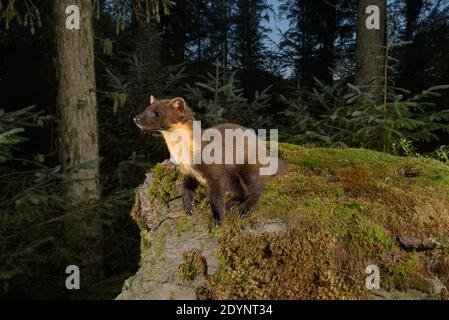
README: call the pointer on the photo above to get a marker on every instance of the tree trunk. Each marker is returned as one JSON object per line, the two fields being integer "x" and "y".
{"x": 149, "y": 45}
{"x": 78, "y": 133}
{"x": 326, "y": 54}
{"x": 179, "y": 28}
{"x": 371, "y": 47}
{"x": 225, "y": 40}
{"x": 199, "y": 35}
{"x": 149, "y": 53}
{"x": 412, "y": 11}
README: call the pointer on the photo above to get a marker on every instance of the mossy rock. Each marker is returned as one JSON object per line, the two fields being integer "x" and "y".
{"x": 312, "y": 235}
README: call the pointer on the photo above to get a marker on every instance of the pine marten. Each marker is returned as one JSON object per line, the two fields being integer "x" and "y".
{"x": 241, "y": 176}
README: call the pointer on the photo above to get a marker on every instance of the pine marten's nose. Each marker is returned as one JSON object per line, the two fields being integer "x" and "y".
{"x": 137, "y": 119}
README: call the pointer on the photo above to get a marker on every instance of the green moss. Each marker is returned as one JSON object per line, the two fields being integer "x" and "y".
{"x": 338, "y": 191}
{"x": 145, "y": 243}
{"x": 159, "y": 246}
{"x": 404, "y": 269}
{"x": 163, "y": 183}
{"x": 193, "y": 265}
{"x": 184, "y": 224}
{"x": 369, "y": 234}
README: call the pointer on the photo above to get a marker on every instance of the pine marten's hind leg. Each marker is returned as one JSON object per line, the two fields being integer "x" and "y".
{"x": 190, "y": 184}
{"x": 215, "y": 195}
{"x": 255, "y": 184}
{"x": 238, "y": 192}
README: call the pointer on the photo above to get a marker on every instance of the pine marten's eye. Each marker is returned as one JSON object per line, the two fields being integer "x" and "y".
{"x": 156, "y": 114}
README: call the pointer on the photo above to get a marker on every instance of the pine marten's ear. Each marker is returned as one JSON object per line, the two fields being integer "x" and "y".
{"x": 178, "y": 103}
{"x": 152, "y": 99}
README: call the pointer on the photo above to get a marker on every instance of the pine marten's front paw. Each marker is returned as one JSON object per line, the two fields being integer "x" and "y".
{"x": 232, "y": 203}
{"x": 246, "y": 208}
{"x": 189, "y": 208}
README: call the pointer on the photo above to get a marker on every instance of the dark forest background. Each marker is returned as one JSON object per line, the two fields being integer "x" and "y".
{"x": 325, "y": 80}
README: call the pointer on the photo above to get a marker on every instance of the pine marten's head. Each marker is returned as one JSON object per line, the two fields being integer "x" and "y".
{"x": 163, "y": 115}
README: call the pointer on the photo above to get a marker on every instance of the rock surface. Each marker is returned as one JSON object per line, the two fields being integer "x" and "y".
{"x": 164, "y": 242}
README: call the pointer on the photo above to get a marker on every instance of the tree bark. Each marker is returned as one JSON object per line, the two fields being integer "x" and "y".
{"x": 370, "y": 47}
{"x": 149, "y": 45}
{"x": 149, "y": 53}
{"x": 326, "y": 54}
{"x": 179, "y": 28}
{"x": 78, "y": 132}
{"x": 412, "y": 11}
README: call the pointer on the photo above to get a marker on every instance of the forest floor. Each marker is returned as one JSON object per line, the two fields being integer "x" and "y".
{"x": 312, "y": 236}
